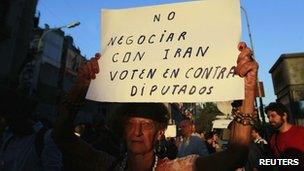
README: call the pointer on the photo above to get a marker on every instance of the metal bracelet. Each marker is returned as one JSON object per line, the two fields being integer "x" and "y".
{"x": 244, "y": 118}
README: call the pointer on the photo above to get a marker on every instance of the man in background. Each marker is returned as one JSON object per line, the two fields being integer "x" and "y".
{"x": 24, "y": 143}
{"x": 190, "y": 144}
{"x": 288, "y": 140}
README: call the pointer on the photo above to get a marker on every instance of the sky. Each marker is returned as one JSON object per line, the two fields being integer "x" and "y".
{"x": 276, "y": 26}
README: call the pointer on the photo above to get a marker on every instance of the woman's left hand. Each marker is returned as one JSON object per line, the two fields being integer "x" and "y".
{"x": 247, "y": 67}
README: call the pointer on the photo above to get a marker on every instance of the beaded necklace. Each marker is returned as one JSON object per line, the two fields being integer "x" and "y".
{"x": 123, "y": 165}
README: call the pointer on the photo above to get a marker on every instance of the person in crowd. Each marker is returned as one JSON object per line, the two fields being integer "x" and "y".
{"x": 107, "y": 140}
{"x": 190, "y": 144}
{"x": 25, "y": 144}
{"x": 258, "y": 149}
{"x": 142, "y": 124}
{"x": 79, "y": 129}
{"x": 216, "y": 140}
{"x": 288, "y": 140}
{"x": 166, "y": 148}
{"x": 209, "y": 142}
{"x": 256, "y": 136}
{"x": 194, "y": 130}
{"x": 171, "y": 148}
{"x": 202, "y": 135}
{"x": 84, "y": 127}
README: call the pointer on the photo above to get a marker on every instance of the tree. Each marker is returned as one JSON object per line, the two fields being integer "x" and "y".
{"x": 207, "y": 115}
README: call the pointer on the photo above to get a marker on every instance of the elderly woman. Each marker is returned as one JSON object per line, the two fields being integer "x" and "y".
{"x": 145, "y": 123}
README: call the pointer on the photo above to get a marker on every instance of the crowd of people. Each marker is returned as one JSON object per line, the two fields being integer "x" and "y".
{"x": 25, "y": 144}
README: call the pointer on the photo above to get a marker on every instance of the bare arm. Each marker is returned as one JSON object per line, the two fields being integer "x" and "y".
{"x": 63, "y": 132}
{"x": 237, "y": 152}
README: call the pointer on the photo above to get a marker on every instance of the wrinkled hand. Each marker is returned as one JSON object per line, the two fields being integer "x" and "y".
{"x": 88, "y": 71}
{"x": 247, "y": 67}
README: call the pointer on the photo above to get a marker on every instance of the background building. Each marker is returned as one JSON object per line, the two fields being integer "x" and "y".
{"x": 55, "y": 69}
{"x": 16, "y": 21}
{"x": 288, "y": 81}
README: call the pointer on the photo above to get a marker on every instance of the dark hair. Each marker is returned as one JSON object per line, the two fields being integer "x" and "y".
{"x": 236, "y": 103}
{"x": 210, "y": 134}
{"x": 157, "y": 112}
{"x": 257, "y": 127}
{"x": 14, "y": 105}
{"x": 279, "y": 108}
{"x": 187, "y": 120}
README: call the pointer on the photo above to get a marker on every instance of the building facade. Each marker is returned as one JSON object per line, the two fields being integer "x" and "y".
{"x": 288, "y": 81}
{"x": 54, "y": 69}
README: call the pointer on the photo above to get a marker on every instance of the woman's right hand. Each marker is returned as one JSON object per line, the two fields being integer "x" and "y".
{"x": 87, "y": 72}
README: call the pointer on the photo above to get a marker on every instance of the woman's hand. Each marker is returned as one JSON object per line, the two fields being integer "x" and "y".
{"x": 247, "y": 67}
{"x": 240, "y": 137}
{"x": 88, "y": 71}
{"x": 85, "y": 74}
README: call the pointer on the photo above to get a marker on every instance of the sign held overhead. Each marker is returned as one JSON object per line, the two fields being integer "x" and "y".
{"x": 182, "y": 52}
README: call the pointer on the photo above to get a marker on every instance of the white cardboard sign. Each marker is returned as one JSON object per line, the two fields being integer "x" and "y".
{"x": 182, "y": 52}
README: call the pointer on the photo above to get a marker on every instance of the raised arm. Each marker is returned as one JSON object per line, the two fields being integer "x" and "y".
{"x": 236, "y": 155}
{"x": 63, "y": 132}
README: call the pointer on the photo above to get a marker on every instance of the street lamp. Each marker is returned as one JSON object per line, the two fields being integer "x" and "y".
{"x": 261, "y": 110}
{"x": 70, "y": 25}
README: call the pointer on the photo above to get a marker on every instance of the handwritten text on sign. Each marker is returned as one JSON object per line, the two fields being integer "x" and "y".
{"x": 183, "y": 52}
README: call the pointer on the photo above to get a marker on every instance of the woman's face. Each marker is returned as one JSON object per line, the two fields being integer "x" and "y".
{"x": 140, "y": 135}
